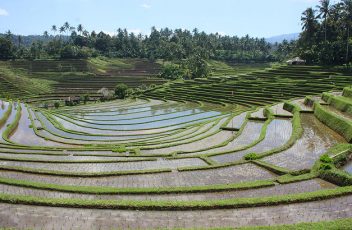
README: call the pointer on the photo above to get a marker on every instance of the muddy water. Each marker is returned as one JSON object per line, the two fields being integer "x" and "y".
{"x": 304, "y": 107}
{"x": 152, "y": 119}
{"x": 348, "y": 167}
{"x": 292, "y": 188}
{"x": 200, "y": 138}
{"x": 279, "y": 110}
{"x": 158, "y": 115}
{"x": 96, "y": 113}
{"x": 9, "y": 120}
{"x": 24, "y": 134}
{"x": 232, "y": 174}
{"x": 250, "y": 133}
{"x": 237, "y": 121}
{"x": 3, "y": 107}
{"x": 107, "y": 167}
{"x": 278, "y": 133}
{"x": 315, "y": 141}
{"x": 149, "y": 125}
{"x": 259, "y": 113}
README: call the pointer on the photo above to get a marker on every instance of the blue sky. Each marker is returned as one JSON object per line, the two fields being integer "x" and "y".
{"x": 262, "y": 18}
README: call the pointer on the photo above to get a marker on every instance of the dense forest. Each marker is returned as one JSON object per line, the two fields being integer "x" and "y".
{"x": 325, "y": 38}
{"x": 76, "y": 42}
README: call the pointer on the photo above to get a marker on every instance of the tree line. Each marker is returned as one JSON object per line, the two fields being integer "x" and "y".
{"x": 326, "y": 32}
{"x": 67, "y": 41}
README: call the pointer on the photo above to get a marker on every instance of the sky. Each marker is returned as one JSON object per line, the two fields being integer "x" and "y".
{"x": 259, "y": 18}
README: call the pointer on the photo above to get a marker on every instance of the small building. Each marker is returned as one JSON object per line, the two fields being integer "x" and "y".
{"x": 72, "y": 100}
{"x": 296, "y": 61}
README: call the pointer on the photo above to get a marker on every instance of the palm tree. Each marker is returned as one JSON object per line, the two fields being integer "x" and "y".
{"x": 19, "y": 41}
{"x": 80, "y": 29}
{"x": 347, "y": 6}
{"x": 85, "y": 33}
{"x": 309, "y": 23}
{"x": 8, "y": 35}
{"x": 54, "y": 29}
{"x": 46, "y": 34}
{"x": 324, "y": 9}
{"x": 67, "y": 27}
{"x": 61, "y": 30}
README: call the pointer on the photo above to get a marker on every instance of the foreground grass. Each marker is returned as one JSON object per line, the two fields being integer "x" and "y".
{"x": 178, "y": 205}
{"x": 340, "y": 224}
{"x": 152, "y": 190}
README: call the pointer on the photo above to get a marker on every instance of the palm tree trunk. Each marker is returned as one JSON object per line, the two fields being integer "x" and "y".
{"x": 348, "y": 37}
{"x": 325, "y": 29}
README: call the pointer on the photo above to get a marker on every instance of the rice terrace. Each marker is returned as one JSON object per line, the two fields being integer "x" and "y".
{"x": 177, "y": 128}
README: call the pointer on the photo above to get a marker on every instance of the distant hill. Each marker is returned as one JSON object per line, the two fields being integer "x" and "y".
{"x": 27, "y": 40}
{"x": 280, "y": 38}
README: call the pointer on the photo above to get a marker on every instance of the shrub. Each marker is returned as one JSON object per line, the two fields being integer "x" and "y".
{"x": 325, "y": 166}
{"x": 121, "y": 90}
{"x": 135, "y": 151}
{"x": 120, "y": 149}
{"x": 57, "y": 105}
{"x": 171, "y": 71}
{"x": 325, "y": 158}
{"x": 251, "y": 156}
{"x": 347, "y": 92}
{"x": 85, "y": 98}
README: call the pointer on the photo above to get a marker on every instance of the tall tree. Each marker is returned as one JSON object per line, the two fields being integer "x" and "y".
{"x": 80, "y": 29}
{"x": 347, "y": 7}
{"x": 324, "y": 9}
{"x": 61, "y": 30}
{"x": 46, "y": 34}
{"x": 309, "y": 25}
{"x": 67, "y": 27}
{"x": 19, "y": 41}
{"x": 54, "y": 29}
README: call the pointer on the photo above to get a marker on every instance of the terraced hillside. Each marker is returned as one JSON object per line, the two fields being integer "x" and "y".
{"x": 63, "y": 78}
{"x": 257, "y": 88}
{"x": 147, "y": 163}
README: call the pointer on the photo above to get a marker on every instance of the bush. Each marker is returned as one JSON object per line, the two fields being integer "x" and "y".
{"x": 325, "y": 158}
{"x": 347, "y": 92}
{"x": 171, "y": 71}
{"x": 251, "y": 156}
{"x": 85, "y": 98}
{"x": 135, "y": 151}
{"x": 121, "y": 91}
{"x": 120, "y": 149}
{"x": 325, "y": 166}
{"x": 57, "y": 105}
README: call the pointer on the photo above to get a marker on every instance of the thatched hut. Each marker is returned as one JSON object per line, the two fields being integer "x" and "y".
{"x": 296, "y": 61}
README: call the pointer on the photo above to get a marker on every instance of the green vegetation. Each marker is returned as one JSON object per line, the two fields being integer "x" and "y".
{"x": 121, "y": 91}
{"x": 326, "y": 33}
{"x": 160, "y": 44}
{"x": 177, "y": 205}
{"x": 340, "y": 224}
{"x": 335, "y": 122}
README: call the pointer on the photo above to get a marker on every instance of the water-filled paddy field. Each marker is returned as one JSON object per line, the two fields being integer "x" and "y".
{"x": 165, "y": 155}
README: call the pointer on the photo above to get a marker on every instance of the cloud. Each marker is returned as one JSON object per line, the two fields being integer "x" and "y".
{"x": 3, "y": 12}
{"x": 146, "y": 6}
